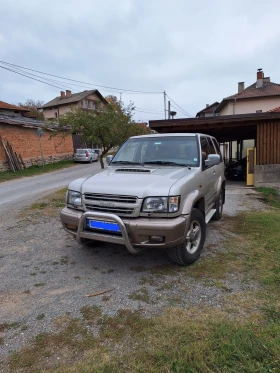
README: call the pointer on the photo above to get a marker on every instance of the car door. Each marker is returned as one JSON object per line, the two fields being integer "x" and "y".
{"x": 209, "y": 174}
{"x": 217, "y": 169}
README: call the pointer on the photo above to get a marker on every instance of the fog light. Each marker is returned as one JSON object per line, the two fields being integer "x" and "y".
{"x": 71, "y": 227}
{"x": 157, "y": 238}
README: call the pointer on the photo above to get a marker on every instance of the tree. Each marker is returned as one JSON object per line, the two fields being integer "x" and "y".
{"x": 109, "y": 127}
{"x": 33, "y": 107}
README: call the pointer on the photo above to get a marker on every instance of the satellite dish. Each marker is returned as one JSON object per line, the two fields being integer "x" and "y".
{"x": 173, "y": 113}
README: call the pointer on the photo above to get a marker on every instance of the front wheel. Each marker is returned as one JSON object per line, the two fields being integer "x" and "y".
{"x": 189, "y": 251}
{"x": 219, "y": 206}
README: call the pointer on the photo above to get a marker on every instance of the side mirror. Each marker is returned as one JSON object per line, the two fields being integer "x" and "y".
{"x": 212, "y": 160}
{"x": 109, "y": 159}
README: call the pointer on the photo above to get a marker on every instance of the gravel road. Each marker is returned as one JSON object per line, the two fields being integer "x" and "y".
{"x": 45, "y": 274}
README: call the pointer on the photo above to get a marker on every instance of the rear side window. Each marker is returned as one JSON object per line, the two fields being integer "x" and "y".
{"x": 204, "y": 148}
{"x": 212, "y": 148}
{"x": 217, "y": 146}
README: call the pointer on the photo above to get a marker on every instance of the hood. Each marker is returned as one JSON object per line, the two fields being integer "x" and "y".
{"x": 139, "y": 182}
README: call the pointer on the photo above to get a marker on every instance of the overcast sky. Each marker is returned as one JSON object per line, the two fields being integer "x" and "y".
{"x": 197, "y": 51}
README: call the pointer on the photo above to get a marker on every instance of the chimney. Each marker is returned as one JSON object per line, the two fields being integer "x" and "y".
{"x": 240, "y": 87}
{"x": 68, "y": 93}
{"x": 62, "y": 94}
{"x": 207, "y": 105}
{"x": 260, "y": 76}
{"x": 266, "y": 80}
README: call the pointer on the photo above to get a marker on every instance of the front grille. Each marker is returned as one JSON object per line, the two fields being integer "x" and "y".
{"x": 111, "y": 210}
{"x": 110, "y": 198}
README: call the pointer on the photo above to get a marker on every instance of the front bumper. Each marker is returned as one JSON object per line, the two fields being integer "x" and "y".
{"x": 135, "y": 232}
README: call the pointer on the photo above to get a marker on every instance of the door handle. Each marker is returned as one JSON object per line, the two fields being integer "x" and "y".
{"x": 214, "y": 172}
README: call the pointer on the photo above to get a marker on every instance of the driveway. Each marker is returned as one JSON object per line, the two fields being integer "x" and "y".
{"x": 46, "y": 274}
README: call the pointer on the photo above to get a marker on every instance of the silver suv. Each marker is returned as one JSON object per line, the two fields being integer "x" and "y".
{"x": 158, "y": 191}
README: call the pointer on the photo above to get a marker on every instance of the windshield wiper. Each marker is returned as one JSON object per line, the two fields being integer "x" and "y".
{"x": 166, "y": 163}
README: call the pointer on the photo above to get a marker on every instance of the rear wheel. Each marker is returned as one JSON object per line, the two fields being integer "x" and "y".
{"x": 189, "y": 251}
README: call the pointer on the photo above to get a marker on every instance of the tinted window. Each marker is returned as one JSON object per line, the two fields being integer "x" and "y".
{"x": 182, "y": 150}
{"x": 204, "y": 148}
{"x": 212, "y": 148}
{"x": 217, "y": 146}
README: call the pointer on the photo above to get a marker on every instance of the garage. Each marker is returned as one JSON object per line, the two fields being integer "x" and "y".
{"x": 263, "y": 159}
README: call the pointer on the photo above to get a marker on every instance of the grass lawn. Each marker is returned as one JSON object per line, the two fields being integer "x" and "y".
{"x": 242, "y": 336}
{"x": 35, "y": 170}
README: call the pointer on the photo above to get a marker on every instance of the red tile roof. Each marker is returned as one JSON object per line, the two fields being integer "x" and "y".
{"x": 268, "y": 89}
{"x": 275, "y": 110}
{"x": 6, "y": 106}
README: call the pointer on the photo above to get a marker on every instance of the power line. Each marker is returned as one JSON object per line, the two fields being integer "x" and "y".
{"x": 179, "y": 107}
{"x": 152, "y": 110}
{"x": 17, "y": 69}
{"x": 142, "y": 110}
{"x": 51, "y": 80}
{"x": 147, "y": 112}
{"x": 2, "y": 67}
{"x": 78, "y": 81}
{"x": 28, "y": 75}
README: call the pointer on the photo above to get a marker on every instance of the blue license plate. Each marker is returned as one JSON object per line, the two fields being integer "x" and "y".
{"x": 103, "y": 225}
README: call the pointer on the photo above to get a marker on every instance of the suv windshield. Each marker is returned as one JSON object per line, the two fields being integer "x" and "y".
{"x": 170, "y": 151}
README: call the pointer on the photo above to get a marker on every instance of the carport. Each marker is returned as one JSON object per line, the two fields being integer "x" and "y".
{"x": 264, "y": 128}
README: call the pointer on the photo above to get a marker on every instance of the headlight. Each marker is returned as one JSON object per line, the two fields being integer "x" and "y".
{"x": 161, "y": 204}
{"x": 74, "y": 198}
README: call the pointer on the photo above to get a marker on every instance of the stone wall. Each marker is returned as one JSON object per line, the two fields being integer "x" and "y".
{"x": 267, "y": 176}
{"x": 25, "y": 142}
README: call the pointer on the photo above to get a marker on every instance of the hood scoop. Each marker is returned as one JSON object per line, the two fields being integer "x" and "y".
{"x": 137, "y": 170}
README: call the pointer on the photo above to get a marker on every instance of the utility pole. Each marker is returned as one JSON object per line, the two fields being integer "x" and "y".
{"x": 164, "y": 97}
{"x": 168, "y": 109}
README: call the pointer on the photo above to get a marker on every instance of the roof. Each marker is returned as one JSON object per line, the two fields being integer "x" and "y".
{"x": 209, "y": 109}
{"x": 26, "y": 122}
{"x": 6, "y": 106}
{"x": 275, "y": 110}
{"x": 75, "y": 97}
{"x": 164, "y": 135}
{"x": 268, "y": 89}
{"x": 224, "y": 127}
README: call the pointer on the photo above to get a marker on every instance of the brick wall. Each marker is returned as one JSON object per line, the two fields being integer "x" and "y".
{"x": 25, "y": 142}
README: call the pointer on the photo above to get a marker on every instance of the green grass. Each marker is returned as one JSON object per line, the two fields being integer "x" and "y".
{"x": 47, "y": 207}
{"x": 35, "y": 170}
{"x": 270, "y": 196}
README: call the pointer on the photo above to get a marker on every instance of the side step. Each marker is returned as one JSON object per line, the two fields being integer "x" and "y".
{"x": 209, "y": 215}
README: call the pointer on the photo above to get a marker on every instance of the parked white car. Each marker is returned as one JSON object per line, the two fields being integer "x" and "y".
{"x": 85, "y": 155}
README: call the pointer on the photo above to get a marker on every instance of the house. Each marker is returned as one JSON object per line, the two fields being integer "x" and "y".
{"x": 67, "y": 101}
{"x": 8, "y": 109}
{"x": 21, "y": 132}
{"x": 261, "y": 96}
{"x": 209, "y": 110}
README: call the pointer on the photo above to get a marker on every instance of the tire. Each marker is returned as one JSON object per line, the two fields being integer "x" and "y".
{"x": 189, "y": 251}
{"x": 219, "y": 204}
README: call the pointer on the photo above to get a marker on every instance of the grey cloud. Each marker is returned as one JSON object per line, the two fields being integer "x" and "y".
{"x": 196, "y": 51}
